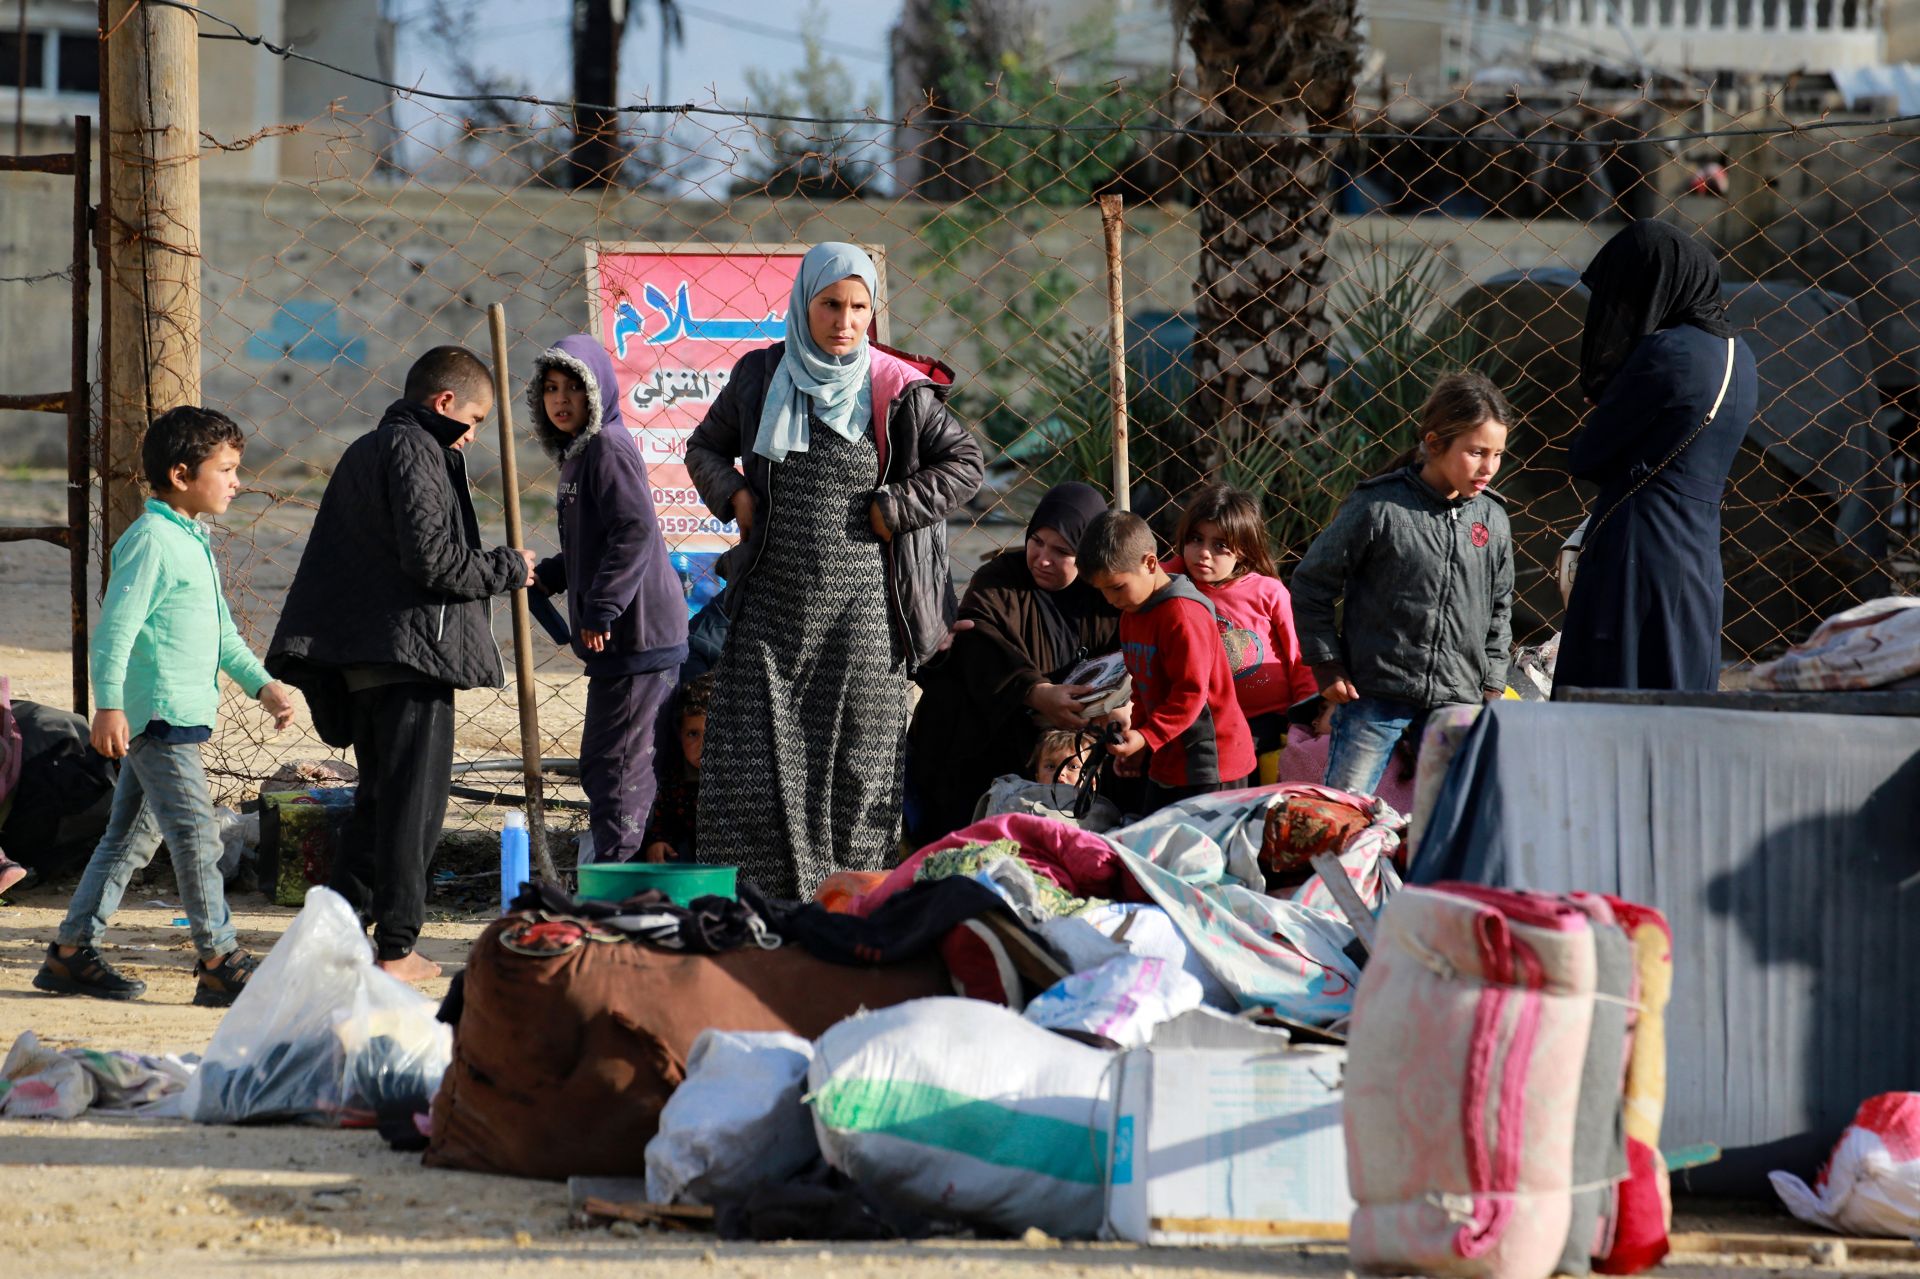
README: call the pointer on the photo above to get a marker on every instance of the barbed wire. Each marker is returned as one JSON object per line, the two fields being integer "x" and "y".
{"x": 940, "y": 118}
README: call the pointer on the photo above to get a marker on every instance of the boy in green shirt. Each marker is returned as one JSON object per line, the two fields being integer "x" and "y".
{"x": 164, "y": 635}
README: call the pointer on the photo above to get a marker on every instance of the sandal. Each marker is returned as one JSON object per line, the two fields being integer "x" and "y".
{"x": 220, "y": 984}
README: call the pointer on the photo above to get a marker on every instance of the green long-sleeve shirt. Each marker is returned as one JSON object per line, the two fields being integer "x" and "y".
{"x": 165, "y": 631}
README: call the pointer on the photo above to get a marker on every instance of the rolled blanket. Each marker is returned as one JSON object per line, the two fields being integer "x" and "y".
{"x": 1644, "y": 1200}
{"x": 1468, "y": 1039}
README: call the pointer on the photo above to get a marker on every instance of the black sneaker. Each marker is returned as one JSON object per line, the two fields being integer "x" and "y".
{"x": 85, "y": 973}
{"x": 220, "y": 985}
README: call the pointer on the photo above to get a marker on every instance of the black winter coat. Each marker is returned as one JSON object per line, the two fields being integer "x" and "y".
{"x": 394, "y": 571}
{"x": 1427, "y": 585}
{"x": 1647, "y": 600}
{"x": 933, "y": 465}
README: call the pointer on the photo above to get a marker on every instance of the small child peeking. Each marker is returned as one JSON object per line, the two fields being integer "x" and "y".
{"x": 676, "y": 810}
{"x": 164, "y": 637}
{"x": 625, "y": 602}
{"x": 1423, "y": 558}
{"x": 1059, "y": 756}
{"x": 1185, "y": 711}
{"x": 1223, "y": 550}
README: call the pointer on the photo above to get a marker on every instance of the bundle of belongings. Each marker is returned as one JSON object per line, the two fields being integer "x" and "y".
{"x": 1517, "y": 1149}
{"x": 1872, "y": 645}
{"x": 809, "y": 1071}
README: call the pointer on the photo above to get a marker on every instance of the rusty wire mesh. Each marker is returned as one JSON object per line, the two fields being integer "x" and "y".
{"x": 1458, "y": 235}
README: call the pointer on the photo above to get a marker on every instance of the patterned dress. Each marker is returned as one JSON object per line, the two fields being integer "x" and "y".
{"x": 802, "y": 771}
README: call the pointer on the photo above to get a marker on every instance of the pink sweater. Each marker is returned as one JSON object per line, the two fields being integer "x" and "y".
{"x": 1256, "y": 624}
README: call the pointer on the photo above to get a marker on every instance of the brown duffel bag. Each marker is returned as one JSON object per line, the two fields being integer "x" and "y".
{"x": 561, "y": 1062}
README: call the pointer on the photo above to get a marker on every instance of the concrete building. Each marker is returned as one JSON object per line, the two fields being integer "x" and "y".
{"x": 1438, "y": 44}
{"x": 242, "y": 89}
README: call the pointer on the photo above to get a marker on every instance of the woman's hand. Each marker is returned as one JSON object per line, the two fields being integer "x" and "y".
{"x": 743, "y": 509}
{"x": 595, "y": 641}
{"x": 1059, "y": 704}
{"x": 879, "y": 523}
{"x": 1334, "y": 684}
{"x": 960, "y": 627}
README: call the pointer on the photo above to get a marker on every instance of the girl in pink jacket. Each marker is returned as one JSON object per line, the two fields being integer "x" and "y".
{"x": 1222, "y": 547}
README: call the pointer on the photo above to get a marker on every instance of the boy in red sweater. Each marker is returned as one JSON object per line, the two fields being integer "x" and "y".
{"x": 1185, "y": 710}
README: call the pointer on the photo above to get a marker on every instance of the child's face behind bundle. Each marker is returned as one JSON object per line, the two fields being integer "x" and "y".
{"x": 1060, "y": 764}
{"x": 565, "y": 400}
{"x": 693, "y": 739}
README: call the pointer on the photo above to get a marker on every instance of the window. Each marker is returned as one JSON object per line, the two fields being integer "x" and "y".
{"x": 36, "y": 67}
{"x": 77, "y": 62}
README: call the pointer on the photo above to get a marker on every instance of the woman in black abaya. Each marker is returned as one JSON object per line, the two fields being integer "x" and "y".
{"x": 1659, "y": 354}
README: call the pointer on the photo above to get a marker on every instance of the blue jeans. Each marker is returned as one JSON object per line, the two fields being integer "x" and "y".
{"x": 162, "y": 793}
{"x": 1362, "y": 740}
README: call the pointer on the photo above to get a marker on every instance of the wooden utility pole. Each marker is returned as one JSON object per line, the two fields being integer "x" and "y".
{"x": 150, "y": 161}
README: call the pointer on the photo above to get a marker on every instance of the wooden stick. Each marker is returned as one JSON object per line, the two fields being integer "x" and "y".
{"x": 522, "y": 620}
{"x": 1110, "y": 222}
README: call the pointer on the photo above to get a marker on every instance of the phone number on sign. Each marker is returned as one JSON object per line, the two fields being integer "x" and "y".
{"x": 693, "y": 524}
{"x": 664, "y": 498}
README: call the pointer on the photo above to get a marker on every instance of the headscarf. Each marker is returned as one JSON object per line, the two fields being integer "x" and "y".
{"x": 806, "y": 373}
{"x": 1650, "y": 276}
{"x": 1067, "y": 509}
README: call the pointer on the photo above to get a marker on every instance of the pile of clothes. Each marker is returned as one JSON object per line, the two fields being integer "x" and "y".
{"x": 584, "y": 1017}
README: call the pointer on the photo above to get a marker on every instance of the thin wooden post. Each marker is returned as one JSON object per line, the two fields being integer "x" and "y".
{"x": 522, "y": 619}
{"x": 1111, "y": 214}
{"x": 150, "y": 150}
{"x": 79, "y": 407}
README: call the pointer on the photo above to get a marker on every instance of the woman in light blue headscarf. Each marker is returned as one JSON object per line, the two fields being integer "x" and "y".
{"x": 840, "y": 462}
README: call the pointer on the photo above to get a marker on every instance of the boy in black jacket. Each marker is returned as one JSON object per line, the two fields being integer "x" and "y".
{"x": 386, "y": 617}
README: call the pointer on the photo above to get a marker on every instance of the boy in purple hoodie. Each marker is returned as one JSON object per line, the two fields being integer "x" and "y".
{"x": 625, "y": 602}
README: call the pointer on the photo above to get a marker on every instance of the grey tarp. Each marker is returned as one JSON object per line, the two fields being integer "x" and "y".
{"x": 1777, "y": 846}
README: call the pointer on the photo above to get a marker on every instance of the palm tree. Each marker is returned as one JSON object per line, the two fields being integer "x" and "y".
{"x": 1269, "y": 71}
{"x": 599, "y": 26}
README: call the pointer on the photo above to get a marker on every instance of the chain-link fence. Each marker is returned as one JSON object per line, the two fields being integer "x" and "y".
{"x": 1456, "y": 237}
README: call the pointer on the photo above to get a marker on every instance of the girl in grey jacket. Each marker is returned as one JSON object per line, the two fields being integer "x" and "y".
{"x": 1422, "y": 558}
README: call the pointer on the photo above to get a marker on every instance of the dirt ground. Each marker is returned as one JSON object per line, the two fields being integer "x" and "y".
{"x": 163, "y": 1199}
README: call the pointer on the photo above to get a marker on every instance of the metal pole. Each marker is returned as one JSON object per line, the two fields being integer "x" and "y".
{"x": 80, "y": 406}
{"x": 1111, "y": 213}
{"x": 522, "y": 621}
{"x": 20, "y": 85}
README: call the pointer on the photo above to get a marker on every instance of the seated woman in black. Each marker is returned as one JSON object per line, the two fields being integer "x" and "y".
{"x": 986, "y": 701}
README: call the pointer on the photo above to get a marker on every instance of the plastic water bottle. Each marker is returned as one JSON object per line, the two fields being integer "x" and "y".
{"x": 515, "y": 867}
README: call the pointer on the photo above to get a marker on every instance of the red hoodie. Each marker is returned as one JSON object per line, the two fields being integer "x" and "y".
{"x": 1184, "y": 703}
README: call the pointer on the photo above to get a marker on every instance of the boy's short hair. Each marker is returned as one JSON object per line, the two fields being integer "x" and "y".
{"x": 449, "y": 368}
{"x": 1052, "y": 740}
{"x": 184, "y": 436}
{"x": 1116, "y": 542}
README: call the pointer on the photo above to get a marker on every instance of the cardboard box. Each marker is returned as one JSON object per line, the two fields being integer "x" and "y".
{"x": 1225, "y": 1133}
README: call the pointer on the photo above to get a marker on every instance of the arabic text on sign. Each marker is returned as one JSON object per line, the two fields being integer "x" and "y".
{"x": 668, "y": 387}
{"x": 678, "y": 323}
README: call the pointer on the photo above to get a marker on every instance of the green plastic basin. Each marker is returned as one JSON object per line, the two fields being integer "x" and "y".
{"x": 617, "y": 881}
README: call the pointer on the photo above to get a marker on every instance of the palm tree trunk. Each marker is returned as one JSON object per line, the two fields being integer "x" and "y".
{"x": 1274, "y": 69}
{"x": 597, "y": 154}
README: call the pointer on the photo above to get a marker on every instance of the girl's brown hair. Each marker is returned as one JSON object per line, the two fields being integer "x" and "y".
{"x": 1238, "y": 516}
{"x": 1458, "y": 403}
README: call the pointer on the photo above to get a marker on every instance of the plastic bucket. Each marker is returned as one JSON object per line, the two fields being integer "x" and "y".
{"x": 617, "y": 881}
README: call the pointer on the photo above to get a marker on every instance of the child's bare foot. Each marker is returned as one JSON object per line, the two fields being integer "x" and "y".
{"x": 11, "y": 873}
{"x": 412, "y": 966}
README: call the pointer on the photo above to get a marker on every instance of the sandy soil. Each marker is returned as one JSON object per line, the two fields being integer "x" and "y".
{"x": 165, "y": 1200}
